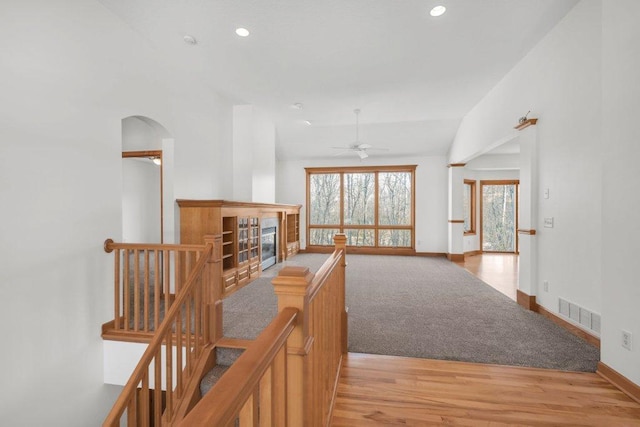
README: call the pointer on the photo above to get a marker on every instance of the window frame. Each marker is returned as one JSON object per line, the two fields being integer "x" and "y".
{"x": 472, "y": 206}
{"x": 376, "y": 226}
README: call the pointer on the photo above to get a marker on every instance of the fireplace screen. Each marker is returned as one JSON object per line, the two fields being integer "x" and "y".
{"x": 269, "y": 257}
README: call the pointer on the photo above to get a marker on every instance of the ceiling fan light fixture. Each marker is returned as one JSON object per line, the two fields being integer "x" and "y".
{"x": 362, "y": 154}
{"x": 242, "y": 32}
{"x": 438, "y": 11}
{"x": 307, "y": 122}
{"x": 189, "y": 39}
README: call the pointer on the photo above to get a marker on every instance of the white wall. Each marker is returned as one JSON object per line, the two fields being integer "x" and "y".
{"x": 254, "y": 159}
{"x": 242, "y": 153}
{"x": 471, "y": 242}
{"x": 140, "y": 201}
{"x": 71, "y": 71}
{"x": 431, "y": 194}
{"x": 620, "y": 196}
{"x": 264, "y": 160}
{"x": 560, "y": 81}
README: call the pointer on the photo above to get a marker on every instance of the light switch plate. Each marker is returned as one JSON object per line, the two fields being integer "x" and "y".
{"x": 546, "y": 193}
{"x": 548, "y": 222}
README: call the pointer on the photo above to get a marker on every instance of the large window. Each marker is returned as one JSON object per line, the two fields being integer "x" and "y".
{"x": 469, "y": 206}
{"x": 373, "y": 206}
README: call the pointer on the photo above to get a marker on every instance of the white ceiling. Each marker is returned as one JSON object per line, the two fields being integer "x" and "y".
{"x": 413, "y": 76}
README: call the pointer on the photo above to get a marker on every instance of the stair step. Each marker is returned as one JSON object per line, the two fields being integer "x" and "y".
{"x": 224, "y": 358}
{"x": 211, "y": 378}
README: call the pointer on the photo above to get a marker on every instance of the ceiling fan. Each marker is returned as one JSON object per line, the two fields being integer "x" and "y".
{"x": 359, "y": 148}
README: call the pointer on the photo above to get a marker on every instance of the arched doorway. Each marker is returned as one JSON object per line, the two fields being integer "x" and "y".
{"x": 147, "y": 166}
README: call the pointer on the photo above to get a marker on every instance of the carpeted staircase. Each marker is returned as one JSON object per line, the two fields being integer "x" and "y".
{"x": 224, "y": 358}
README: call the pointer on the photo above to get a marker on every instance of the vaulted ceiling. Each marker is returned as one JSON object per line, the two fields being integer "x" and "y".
{"x": 413, "y": 76}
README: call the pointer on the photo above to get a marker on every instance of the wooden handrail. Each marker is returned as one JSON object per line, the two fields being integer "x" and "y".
{"x": 164, "y": 335}
{"x": 110, "y": 245}
{"x": 222, "y": 404}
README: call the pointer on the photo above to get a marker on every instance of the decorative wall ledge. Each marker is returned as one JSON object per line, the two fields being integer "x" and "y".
{"x": 529, "y": 232}
{"x": 526, "y": 124}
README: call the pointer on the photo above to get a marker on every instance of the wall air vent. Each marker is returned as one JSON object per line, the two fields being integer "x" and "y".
{"x": 579, "y": 315}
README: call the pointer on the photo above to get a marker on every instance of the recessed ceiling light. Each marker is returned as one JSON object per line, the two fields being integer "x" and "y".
{"x": 438, "y": 10}
{"x": 242, "y": 32}
{"x": 307, "y": 122}
{"x": 297, "y": 105}
{"x": 189, "y": 39}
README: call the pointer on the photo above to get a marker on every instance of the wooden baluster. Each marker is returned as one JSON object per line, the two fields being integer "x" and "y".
{"x": 177, "y": 273}
{"x": 166, "y": 258}
{"x": 143, "y": 414}
{"x": 132, "y": 411}
{"x": 157, "y": 292}
{"x": 126, "y": 290}
{"x": 116, "y": 282}
{"x": 157, "y": 388}
{"x": 178, "y": 333}
{"x": 169, "y": 375}
{"x": 279, "y": 395}
{"x": 146, "y": 290}
{"x": 291, "y": 286}
{"x": 187, "y": 329}
{"x": 248, "y": 416}
{"x": 266, "y": 398}
{"x": 136, "y": 290}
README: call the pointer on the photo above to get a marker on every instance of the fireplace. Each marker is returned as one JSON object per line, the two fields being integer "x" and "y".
{"x": 269, "y": 238}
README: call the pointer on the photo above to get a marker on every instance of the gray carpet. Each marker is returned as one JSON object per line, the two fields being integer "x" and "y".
{"x": 425, "y": 307}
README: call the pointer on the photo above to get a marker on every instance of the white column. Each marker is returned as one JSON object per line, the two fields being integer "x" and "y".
{"x": 528, "y": 211}
{"x": 456, "y": 212}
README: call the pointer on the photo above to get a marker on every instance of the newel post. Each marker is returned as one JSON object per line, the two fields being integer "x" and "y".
{"x": 212, "y": 283}
{"x": 291, "y": 286}
{"x": 340, "y": 241}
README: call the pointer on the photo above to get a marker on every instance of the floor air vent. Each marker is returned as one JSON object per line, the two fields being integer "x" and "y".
{"x": 579, "y": 315}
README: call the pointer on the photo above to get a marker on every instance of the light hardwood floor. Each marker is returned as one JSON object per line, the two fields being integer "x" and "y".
{"x": 388, "y": 390}
{"x": 500, "y": 271}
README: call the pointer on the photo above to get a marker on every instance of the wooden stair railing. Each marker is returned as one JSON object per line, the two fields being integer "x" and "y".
{"x": 314, "y": 349}
{"x": 147, "y": 277}
{"x": 258, "y": 379}
{"x": 180, "y": 347}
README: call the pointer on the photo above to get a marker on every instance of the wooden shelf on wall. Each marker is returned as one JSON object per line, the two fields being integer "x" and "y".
{"x": 526, "y": 124}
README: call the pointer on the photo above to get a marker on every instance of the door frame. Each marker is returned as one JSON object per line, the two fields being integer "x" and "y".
{"x": 515, "y": 182}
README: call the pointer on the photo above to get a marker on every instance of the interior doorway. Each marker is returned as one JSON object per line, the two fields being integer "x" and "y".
{"x": 148, "y": 214}
{"x": 499, "y": 216}
{"x": 142, "y": 197}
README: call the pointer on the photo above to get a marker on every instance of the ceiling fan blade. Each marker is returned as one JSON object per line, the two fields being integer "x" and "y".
{"x": 342, "y": 148}
{"x": 363, "y": 146}
{"x": 340, "y": 153}
{"x": 378, "y": 149}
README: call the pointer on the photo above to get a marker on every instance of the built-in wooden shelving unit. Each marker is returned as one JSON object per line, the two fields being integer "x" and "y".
{"x": 239, "y": 225}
